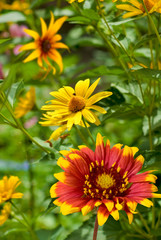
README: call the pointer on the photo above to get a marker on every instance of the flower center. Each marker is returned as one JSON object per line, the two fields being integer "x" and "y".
{"x": 45, "y": 45}
{"x": 76, "y": 104}
{"x": 103, "y": 183}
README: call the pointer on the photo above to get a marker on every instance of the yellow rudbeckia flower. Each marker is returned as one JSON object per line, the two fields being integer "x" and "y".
{"x": 135, "y": 7}
{"x": 46, "y": 45}
{"x": 71, "y": 105}
{"x": 25, "y": 103}
{"x": 8, "y": 187}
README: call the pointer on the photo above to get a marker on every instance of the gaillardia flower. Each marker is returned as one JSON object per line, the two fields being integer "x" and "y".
{"x": 106, "y": 179}
{"x": 70, "y": 105}
{"x": 46, "y": 45}
{"x": 8, "y": 187}
{"x": 5, "y": 212}
{"x": 25, "y": 103}
{"x": 135, "y": 7}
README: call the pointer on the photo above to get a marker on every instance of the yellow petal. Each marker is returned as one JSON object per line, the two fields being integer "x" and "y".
{"x": 109, "y": 205}
{"x": 68, "y": 209}
{"x": 43, "y": 27}
{"x": 28, "y": 46}
{"x": 88, "y": 115}
{"x": 60, "y": 176}
{"x": 32, "y": 56}
{"x": 115, "y": 214}
{"x": 92, "y": 88}
{"x": 81, "y": 87}
{"x": 32, "y": 33}
{"x": 97, "y": 97}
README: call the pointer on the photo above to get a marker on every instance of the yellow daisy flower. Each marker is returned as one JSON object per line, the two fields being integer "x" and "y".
{"x": 135, "y": 7}
{"x": 46, "y": 45}
{"x": 8, "y": 187}
{"x": 25, "y": 103}
{"x": 5, "y": 213}
{"x": 70, "y": 105}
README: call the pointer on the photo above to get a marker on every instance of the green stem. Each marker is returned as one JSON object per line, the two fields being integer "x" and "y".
{"x": 112, "y": 33}
{"x": 144, "y": 222}
{"x": 158, "y": 222}
{"x": 31, "y": 181}
{"x": 89, "y": 133}
{"x": 150, "y": 133}
{"x": 8, "y": 121}
{"x": 152, "y": 23}
{"x": 81, "y": 136}
{"x": 34, "y": 236}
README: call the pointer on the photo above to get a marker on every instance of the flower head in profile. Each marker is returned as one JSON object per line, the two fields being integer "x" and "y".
{"x": 46, "y": 45}
{"x": 8, "y": 188}
{"x": 25, "y": 104}
{"x": 106, "y": 179}
{"x": 136, "y": 7}
{"x": 70, "y": 105}
{"x": 5, "y": 212}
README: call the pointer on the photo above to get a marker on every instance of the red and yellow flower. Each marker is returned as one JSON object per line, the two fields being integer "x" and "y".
{"x": 46, "y": 45}
{"x": 106, "y": 179}
{"x": 8, "y": 187}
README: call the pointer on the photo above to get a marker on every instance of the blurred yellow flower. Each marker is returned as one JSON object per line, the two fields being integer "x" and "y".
{"x": 70, "y": 105}
{"x": 46, "y": 45}
{"x": 8, "y": 187}
{"x": 25, "y": 103}
{"x": 16, "y": 5}
{"x": 5, "y": 213}
{"x": 135, "y": 7}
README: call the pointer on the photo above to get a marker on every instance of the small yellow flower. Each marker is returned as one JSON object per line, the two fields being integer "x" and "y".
{"x": 135, "y": 7}
{"x": 5, "y": 212}
{"x": 8, "y": 187}
{"x": 70, "y": 105}
{"x": 46, "y": 45}
{"x": 25, "y": 103}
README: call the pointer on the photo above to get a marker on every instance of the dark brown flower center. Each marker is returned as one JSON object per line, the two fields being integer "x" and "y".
{"x": 104, "y": 183}
{"x": 76, "y": 104}
{"x": 45, "y": 46}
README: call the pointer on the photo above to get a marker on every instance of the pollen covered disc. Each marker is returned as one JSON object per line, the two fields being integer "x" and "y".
{"x": 76, "y": 104}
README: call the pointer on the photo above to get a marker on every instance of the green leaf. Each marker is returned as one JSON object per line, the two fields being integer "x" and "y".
{"x": 4, "y": 40}
{"x": 13, "y": 16}
{"x": 86, "y": 232}
{"x": 148, "y": 73}
{"x": 155, "y": 122}
{"x": 115, "y": 99}
{"x": 91, "y": 14}
{"x": 101, "y": 71}
{"x": 79, "y": 19}
{"x": 14, "y": 91}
